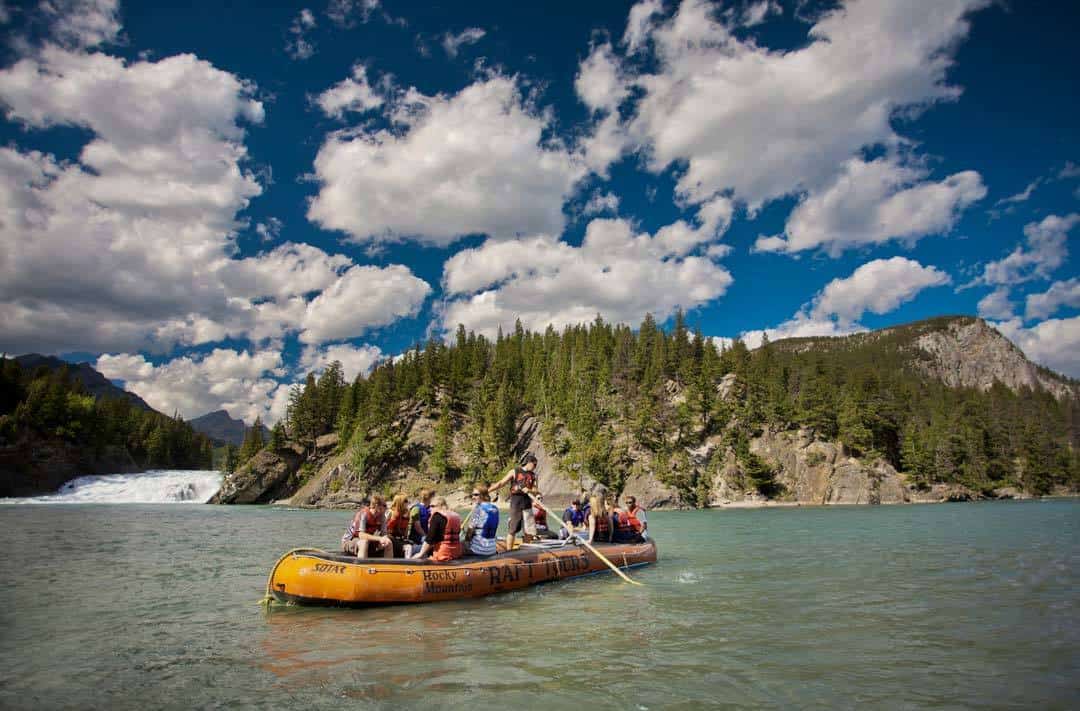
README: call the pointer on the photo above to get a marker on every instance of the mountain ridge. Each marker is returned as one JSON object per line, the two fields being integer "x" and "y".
{"x": 94, "y": 382}
{"x": 943, "y": 409}
{"x": 222, "y": 428}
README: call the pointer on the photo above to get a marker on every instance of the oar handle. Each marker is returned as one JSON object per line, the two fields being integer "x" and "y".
{"x": 588, "y": 545}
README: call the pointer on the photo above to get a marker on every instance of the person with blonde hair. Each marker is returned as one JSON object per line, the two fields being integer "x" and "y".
{"x": 368, "y": 526}
{"x": 444, "y": 533}
{"x": 397, "y": 524}
{"x": 599, "y": 521}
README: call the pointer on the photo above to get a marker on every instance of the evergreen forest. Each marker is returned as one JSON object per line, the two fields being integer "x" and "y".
{"x": 50, "y": 404}
{"x": 601, "y": 390}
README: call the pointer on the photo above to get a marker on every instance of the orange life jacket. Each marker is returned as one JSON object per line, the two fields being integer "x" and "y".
{"x": 631, "y": 514}
{"x": 625, "y": 528}
{"x": 449, "y": 547}
{"x": 523, "y": 479}
{"x": 373, "y": 523}
{"x": 398, "y": 526}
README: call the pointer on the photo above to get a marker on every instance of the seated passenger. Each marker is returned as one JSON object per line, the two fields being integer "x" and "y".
{"x": 444, "y": 533}
{"x": 638, "y": 516}
{"x": 624, "y": 528}
{"x": 368, "y": 526}
{"x": 397, "y": 525}
{"x": 419, "y": 513}
{"x": 540, "y": 519}
{"x": 483, "y": 523}
{"x": 599, "y": 521}
{"x": 574, "y": 518}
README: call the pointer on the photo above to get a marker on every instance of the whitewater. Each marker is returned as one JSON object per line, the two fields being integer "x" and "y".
{"x": 163, "y": 486}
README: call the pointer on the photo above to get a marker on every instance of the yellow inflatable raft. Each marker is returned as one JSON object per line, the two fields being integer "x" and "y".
{"x": 314, "y": 577}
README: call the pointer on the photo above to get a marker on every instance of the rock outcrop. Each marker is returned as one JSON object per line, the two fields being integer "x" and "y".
{"x": 37, "y": 465}
{"x": 969, "y": 353}
{"x": 269, "y": 476}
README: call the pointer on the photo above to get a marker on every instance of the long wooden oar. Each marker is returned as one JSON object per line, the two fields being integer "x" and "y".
{"x": 588, "y": 545}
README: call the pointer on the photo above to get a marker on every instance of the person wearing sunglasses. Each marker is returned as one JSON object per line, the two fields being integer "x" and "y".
{"x": 482, "y": 523}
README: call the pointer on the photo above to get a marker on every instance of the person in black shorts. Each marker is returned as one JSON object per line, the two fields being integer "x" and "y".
{"x": 522, "y": 481}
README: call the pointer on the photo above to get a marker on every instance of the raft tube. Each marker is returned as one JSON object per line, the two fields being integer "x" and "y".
{"x": 314, "y": 577}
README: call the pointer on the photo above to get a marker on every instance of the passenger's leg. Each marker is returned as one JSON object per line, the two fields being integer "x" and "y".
{"x": 362, "y": 548}
{"x": 530, "y": 525}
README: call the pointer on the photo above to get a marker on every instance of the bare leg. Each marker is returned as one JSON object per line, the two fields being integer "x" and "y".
{"x": 361, "y": 548}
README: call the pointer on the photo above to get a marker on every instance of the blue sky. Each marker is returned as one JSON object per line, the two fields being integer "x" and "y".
{"x": 208, "y": 201}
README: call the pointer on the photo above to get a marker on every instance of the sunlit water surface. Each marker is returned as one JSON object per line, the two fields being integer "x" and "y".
{"x": 953, "y": 605}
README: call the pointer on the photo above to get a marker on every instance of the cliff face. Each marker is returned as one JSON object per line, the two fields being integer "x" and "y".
{"x": 40, "y": 465}
{"x": 270, "y": 475}
{"x": 969, "y": 353}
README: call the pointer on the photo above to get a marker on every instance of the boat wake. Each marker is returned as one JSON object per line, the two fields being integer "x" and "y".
{"x": 152, "y": 487}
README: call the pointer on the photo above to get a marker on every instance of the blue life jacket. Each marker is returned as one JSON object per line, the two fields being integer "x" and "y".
{"x": 577, "y": 518}
{"x": 425, "y": 515}
{"x": 491, "y": 519}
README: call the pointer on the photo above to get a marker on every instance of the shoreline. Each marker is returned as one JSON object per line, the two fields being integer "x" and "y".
{"x": 739, "y": 505}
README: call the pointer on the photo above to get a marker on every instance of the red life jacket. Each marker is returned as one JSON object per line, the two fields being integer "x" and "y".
{"x": 626, "y": 525}
{"x": 373, "y": 523}
{"x": 632, "y": 516}
{"x": 603, "y": 525}
{"x": 523, "y": 479}
{"x": 449, "y": 547}
{"x": 398, "y": 526}
{"x": 540, "y": 517}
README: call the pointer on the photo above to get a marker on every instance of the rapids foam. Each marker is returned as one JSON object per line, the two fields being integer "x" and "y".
{"x": 167, "y": 486}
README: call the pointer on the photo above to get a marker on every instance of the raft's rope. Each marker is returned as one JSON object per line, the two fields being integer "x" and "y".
{"x": 269, "y": 598}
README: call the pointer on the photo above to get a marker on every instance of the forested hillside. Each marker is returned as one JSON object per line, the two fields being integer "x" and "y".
{"x": 51, "y": 429}
{"x": 614, "y": 402}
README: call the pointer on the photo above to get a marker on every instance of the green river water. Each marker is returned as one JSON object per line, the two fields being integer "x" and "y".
{"x": 943, "y": 606}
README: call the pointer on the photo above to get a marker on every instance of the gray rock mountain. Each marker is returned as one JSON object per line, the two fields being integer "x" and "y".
{"x": 222, "y": 429}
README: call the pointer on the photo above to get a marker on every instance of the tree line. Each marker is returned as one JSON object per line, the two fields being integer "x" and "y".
{"x": 606, "y": 394}
{"x": 53, "y": 404}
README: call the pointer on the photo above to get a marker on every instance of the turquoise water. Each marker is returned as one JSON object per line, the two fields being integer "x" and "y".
{"x": 953, "y": 605}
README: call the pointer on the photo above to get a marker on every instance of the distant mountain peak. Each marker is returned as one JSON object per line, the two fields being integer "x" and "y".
{"x": 222, "y": 428}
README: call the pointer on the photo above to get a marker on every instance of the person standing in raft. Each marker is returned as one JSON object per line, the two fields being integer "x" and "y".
{"x": 369, "y": 526}
{"x": 444, "y": 533}
{"x": 522, "y": 481}
{"x": 483, "y": 523}
{"x": 397, "y": 524}
{"x": 599, "y": 521}
{"x": 418, "y": 517}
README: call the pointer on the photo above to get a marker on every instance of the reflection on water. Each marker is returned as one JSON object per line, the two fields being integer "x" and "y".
{"x": 967, "y": 604}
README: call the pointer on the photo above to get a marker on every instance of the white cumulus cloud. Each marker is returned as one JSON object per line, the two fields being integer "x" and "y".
{"x": 1060, "y": 294}
{"x": 351, "y": 94}
{"x": 615, "y": 273}
{"x": 874, "y": 202}
{"x": 1054, "y": 343}
{"x": 452, "y": 43}
{"x": 470, "y": 163}
{"x": 879, "y": 286}
{"x": 355, "y": 360}
{"x": 240, "y": 382}
{"x": 765, "y": 123}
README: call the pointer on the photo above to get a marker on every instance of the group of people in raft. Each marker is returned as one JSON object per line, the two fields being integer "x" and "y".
{"x": 429, "y": 527}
